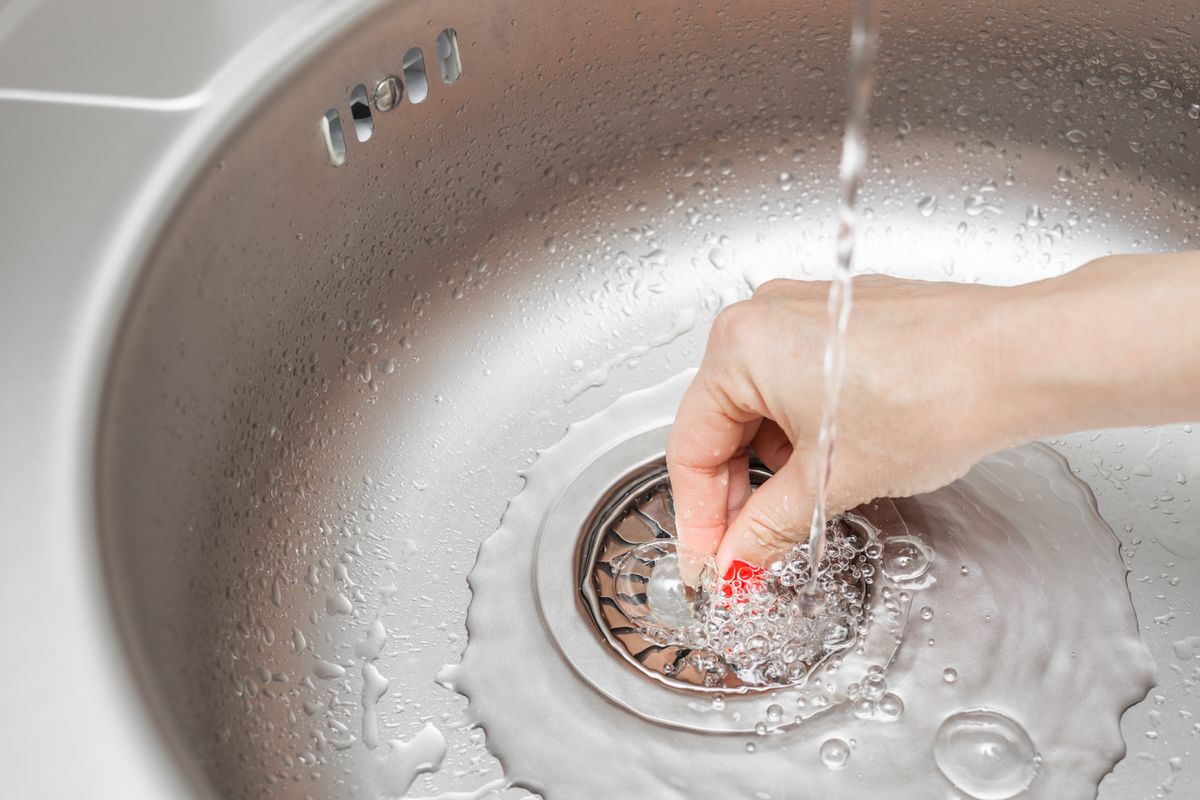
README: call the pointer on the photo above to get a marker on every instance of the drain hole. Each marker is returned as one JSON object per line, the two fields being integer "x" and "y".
{"x": 414, "y": 75}
{"x": 449, "y": 61}
{"x": 335, "y": 139}
{"x": 360, "y": 110}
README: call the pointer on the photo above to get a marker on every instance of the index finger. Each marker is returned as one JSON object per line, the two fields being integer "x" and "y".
{"x": 706, "y": 441}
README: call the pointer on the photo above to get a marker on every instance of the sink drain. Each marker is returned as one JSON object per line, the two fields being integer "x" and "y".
{"x": 646, "y": 622}
{"x": 755, "y": 638}
{"x": 618, "y": 506}
{"x": 546, "y": 611}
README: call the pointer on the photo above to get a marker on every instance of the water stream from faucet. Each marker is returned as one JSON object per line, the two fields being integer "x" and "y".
{"x": 863, "y": 40}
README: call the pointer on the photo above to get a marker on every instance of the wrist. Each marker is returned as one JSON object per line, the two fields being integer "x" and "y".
{"x": 1087, "y": 349}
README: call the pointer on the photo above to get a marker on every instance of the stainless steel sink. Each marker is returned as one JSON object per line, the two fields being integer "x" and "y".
{"x": 330, "y": 375}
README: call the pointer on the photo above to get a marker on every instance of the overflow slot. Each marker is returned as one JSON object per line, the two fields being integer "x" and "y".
{"x": 415, "y": 79}
{"x": 449, "y": 60}
{"x": 360, "y": 110}
{"x": 335, "y": 138}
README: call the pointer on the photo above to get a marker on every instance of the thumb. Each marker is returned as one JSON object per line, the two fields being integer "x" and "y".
{"x": 775, "y": 519}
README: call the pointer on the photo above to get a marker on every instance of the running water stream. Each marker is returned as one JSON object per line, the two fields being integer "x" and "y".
{"x": 863, "y": 39}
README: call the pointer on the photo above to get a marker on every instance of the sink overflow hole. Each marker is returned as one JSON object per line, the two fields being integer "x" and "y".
{"x": 449, "y": 61}
{"x": 335, "y": 139}
{"x": 414, "y": 75}
{"x": 388, "y": 92}
{"x": 360, "y": 110}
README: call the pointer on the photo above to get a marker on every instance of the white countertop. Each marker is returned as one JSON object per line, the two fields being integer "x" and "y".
{"x": 101, "y": 103}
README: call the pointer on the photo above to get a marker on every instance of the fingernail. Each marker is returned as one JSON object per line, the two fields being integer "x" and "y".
{"x": 740, "y": 580}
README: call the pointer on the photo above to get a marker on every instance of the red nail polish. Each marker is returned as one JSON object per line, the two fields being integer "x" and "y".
{"x": 740, "y": 579}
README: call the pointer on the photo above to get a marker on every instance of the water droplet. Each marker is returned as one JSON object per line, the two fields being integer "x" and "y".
{"x": 421, "y": 754}
{"x": 949, "y": 674}
{"x": 338, "y": 603}
{"x": 927, "y": 205}
{"x": 1034, "y": 217}
{"x": 905, "y": 558}
{"x": 986, "y": 754}
{"x": 873, "y": 686}
{"x": 891, "y": 707}
{"x": 327, "y": 670}
{"x": 926, "y": 613}
{"x": 835, "y": 753}
{"x": 774, "y": 712}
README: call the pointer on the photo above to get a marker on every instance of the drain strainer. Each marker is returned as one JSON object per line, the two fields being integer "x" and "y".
{"x": 740, "y": 635}
{"x": 617, "y": 507}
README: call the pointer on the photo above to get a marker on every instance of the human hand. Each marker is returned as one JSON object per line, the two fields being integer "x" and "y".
{"x": 917, "y": 386}
{"x": 938, "y": 375}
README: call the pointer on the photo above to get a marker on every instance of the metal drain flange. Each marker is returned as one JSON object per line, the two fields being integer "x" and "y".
{"x": 620, "y": 502}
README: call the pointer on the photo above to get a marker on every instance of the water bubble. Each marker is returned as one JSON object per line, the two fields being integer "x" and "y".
{"x": 905, "y": 558}
{"x": 864, "y": 708}
{"x": 835, "y": 753}
{"x": 651, "y": 592}
{"x": 891, "y": 707}
{"x": 986, "y": 754}
{"x": 873, "y": 687}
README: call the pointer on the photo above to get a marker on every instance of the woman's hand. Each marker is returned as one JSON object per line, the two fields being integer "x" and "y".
{"x": 937, "y": 376}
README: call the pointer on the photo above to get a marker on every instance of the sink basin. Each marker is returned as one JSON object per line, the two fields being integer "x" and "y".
{"x": 359, "y": 325}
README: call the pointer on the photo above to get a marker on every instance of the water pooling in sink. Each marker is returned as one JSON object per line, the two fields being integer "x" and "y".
{"x": 1003, "y": 664}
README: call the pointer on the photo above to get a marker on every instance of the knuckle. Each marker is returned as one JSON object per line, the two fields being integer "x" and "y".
{"x": 733, "y": 325}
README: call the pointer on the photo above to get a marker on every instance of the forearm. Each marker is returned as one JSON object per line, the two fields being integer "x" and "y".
{"x": 1114, "y": 343}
